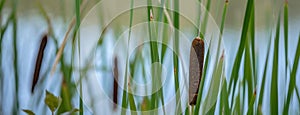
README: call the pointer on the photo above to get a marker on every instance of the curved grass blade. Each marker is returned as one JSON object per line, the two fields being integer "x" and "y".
{"x": 131, "y": 102}
{"x": 124, "y": 97}
{"x": 298, "y": 94}
{"x": 154, "y": 53}
{"x": 203, "y": 27}
{"x": 15, "y": 109}
{"x": 238, "y": 58}
{"x": 59, "y": 55}
{"x": 224, "y": 106}
{"x": 274, "y": 81}
{"x": 163, "y": 17}
{"x": 249, "y": 68}
{"x": 251, "y": 104}
{"x": 78, "y": 13}
{"x": 222, "y": 28}
{"x": 214, "y": 87}
{"x": 292, "y": 84}
{"x": 248, "y": 73}
{"x": 175, "y": 58}
{"x": 249, "y": 78}
{"x": 262, "y": 88}
{"x": 252, "y": 36}
{"x": 237, "y": 106}
{"x": 286, "y": 30}
{"x": 1, "y": 5}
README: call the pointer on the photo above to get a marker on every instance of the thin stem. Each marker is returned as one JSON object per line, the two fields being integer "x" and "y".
{"x": 175, "y": 57}
{"x": 124, "y": 98}
{"x": 15, "y": 63}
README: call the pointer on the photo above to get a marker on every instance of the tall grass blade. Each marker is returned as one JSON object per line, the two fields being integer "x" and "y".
{"x": 237, "y": 106}
{"x": 59, "y": 56}
{"x": 286, "y": 30}
{"x": 292, "y": 84}
{"x": 248, "y": 71}
{"x": 223, "y": 18}
{"x": 237, "y": 61}
{"x": 4, "y": 27}
{"x": 1, "y": 5}
{"x": 15, "y": 62}
{"x": 298, "y": 94}
{"x": 274, "y": 81}
{"x": 77, "y": 11}
{"x": 2, "y": 31}
{"x": 222, "y": 28}
{"x": 154, "y": 54}
{"x": 224, "y": 105}
{"x": 252, "y": 34}
{"x": 131, "y": 102}
{"x": 204, "y": 25}
{"x": 124, "y": 97}
{"x": 175, "y": 57}
{"x": 249, "y": 68}
{"x": 66, "y": 97}
{"x": 262, "y": 88}
{"x": 214, "y": 87}
{"x": 199, "y": 19}
{"x": 211, "y": 111}
{"x": 251, "y": 104}
{"x": 80, "y": 101}
{"x": 163, "y": 18}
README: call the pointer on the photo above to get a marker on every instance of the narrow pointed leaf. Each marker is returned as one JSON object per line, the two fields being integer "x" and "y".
{"x": 28, "y": 112}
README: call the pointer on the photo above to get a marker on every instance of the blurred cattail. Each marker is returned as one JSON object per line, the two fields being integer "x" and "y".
{"x": 196, "y": 65}
{"x": 116, "y": 75}
{"x": 39, "y": 62}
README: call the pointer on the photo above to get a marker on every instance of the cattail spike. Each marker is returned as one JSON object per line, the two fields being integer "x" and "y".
{"x": 196, "y": 65}
{"x": 116, "y": 75}
{"x": 39, "y": 62}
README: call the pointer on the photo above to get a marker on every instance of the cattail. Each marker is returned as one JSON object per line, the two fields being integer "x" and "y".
{"x": 116, "y": 75}
{"x": 39, "y": 62}
{"x": 196, "y": 65}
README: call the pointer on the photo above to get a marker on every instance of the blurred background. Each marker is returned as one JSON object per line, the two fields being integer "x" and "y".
{"x": 25, "y": 22}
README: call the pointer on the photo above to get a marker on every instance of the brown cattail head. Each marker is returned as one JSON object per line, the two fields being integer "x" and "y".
{"x": 39, "y": 62}
{"x": 226, "y": 1}
{"x": 116, "y": 75}
{"x": 196, "y": 65}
